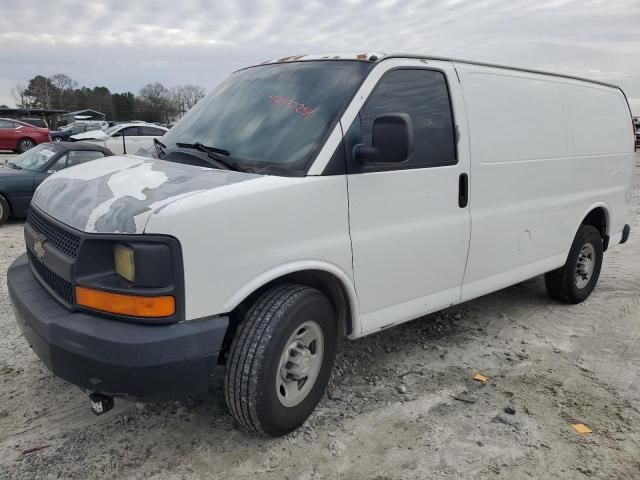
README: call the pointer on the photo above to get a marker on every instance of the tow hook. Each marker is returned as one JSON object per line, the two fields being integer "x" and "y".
{"x": 100, "y": 403}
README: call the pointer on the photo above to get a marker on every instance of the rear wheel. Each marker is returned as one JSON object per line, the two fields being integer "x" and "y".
{"x": 4, "y": 210}
{"x": 574, "y": 282}
{"x": 281, "y": 359}
{"x": 25, "y": 144}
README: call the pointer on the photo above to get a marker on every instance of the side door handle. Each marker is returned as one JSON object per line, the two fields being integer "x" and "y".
{"x": 463, "y": 190}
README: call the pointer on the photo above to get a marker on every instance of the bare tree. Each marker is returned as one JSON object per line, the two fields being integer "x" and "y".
{"x": 17, "y": 92}
{"x": 185, "y": 97}
{"x": 155, "y": 102}
{"x": 64, "y": 86}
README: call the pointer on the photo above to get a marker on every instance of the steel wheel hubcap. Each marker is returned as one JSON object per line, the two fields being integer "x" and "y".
{"x": 585, "y": 265}
{"x": 300, "y": 364}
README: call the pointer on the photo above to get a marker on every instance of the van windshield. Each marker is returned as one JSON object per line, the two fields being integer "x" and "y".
{"x": 272, "y": 115}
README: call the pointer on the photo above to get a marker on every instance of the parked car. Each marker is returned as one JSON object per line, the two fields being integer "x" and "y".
{"x": 343, "y": 196}
{"x": 75, "y": 128}
{"x": 22, "y": 175}
{"x": 19, "y": 136}
{"x": 124, "y": 137}
{"x": 35, "y": 121}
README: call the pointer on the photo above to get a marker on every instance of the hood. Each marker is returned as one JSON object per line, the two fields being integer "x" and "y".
{"x": 119, "y": 194}
{"x": 12, "y": 172}
{"x": 97, "y": 134}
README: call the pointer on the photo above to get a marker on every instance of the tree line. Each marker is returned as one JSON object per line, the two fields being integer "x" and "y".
{"x": 153, "y": 103}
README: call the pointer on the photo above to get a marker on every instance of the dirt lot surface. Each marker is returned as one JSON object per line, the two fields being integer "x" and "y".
{"x": 402, "y": 403}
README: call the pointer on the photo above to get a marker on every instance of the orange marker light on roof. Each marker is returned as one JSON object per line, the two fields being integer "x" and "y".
{"x": 122, "y": 304}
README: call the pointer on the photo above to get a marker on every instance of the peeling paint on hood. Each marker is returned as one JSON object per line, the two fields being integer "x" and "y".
{"x": 119, "y": 194}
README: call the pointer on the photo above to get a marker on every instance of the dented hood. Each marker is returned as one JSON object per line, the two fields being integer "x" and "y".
{"x": 119, "y": 194}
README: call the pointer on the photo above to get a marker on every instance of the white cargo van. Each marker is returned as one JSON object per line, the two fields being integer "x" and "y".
{"x": 313, "y": 197}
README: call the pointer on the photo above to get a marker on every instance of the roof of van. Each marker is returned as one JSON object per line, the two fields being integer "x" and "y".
{"x": 377, "y": 56}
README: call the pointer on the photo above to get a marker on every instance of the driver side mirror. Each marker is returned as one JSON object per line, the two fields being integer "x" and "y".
{"x": 391, "y": 140}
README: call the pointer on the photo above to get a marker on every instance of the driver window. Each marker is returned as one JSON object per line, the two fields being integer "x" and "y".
{"x": 76, "y": 158}
{"x": 423, "y": 95}
{"x": 60, "y": 164}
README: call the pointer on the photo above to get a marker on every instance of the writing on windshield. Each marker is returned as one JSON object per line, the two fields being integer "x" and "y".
{"x": 298, "y": 107}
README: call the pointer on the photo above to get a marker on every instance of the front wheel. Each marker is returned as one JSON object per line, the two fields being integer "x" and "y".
{"x": 281, "y": 359}
{"x": 574, "y": 282}
{"x": 25, "y": 144}
{"x": 4, "y": 210}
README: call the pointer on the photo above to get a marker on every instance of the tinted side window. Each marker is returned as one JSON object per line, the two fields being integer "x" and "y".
{"x": 76, "y": 158}
{"x": 131, "y": 132}
{"x": 151, "y": 132}
{"x": 424, "y": 96}
{"x": 6, "y": 124}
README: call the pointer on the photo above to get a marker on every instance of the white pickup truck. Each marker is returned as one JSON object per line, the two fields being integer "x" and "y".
{"x": 313, "y": 197}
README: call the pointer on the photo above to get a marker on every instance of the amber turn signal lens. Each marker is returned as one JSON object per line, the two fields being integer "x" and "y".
{"x": 122, "y": 304}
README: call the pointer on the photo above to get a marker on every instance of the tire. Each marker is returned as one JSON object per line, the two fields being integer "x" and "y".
{"x": 574, "y": 282}
{"x": 4, "y": 210}
{"x": 25, "y": 144}
{"x": 57, "y": 139}
{"x": 256, "y": 391}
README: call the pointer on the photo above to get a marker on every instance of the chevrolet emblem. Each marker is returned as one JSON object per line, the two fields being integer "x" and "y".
{"x": 38, "y": 248}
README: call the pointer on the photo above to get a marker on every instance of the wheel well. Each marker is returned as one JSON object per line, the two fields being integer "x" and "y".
{"x": 598, "y": 218}
{"x": 326, "y": 282}
{"x": 6, "y": 199}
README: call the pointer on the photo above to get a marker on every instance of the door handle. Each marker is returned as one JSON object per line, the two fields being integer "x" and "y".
{"x": 463, "y": 190}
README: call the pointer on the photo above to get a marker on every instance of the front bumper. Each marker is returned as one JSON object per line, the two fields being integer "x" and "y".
{"x": 146, "y": 362}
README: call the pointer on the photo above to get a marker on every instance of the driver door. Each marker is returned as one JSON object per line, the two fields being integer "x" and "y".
{"x": 409, "y": 227}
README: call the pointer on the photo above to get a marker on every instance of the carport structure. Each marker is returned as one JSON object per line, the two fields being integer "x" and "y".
{"x": 53, "y": 117}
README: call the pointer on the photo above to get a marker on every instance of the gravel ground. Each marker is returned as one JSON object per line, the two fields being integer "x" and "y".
{"x": 402, "y": 403}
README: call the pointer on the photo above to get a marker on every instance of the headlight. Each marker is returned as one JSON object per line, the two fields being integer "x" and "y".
{"x": 125, "y": 264}
{"x": 131, "y": 277}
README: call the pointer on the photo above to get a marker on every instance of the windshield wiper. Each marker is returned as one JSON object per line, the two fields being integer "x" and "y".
{"x": 217, "y": 154}
{"x": 160, "y": 147}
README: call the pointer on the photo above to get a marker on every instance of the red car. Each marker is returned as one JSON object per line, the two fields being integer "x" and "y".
{"x": 19, "y": 136}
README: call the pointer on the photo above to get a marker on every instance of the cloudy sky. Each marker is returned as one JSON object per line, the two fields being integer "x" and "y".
{"x": 124, "y": 44}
